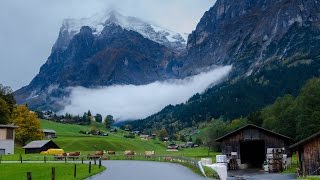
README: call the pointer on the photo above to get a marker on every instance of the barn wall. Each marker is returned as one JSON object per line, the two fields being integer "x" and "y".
{"x": 311, "y": 157}
{"x": 232, "y": 143}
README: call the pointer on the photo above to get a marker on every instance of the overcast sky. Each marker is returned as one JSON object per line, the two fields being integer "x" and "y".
{"x": 29, "y": 28}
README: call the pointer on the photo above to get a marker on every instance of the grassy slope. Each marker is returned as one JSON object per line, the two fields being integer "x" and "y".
{"x": 70, "y": 139}
{"x": 43, "y": 171}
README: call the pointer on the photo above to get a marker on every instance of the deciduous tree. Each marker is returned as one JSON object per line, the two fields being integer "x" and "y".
{"x": 29, "y": 125}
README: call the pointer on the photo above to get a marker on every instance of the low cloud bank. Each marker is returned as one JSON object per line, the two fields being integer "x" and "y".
{"x": 130, "y": 102}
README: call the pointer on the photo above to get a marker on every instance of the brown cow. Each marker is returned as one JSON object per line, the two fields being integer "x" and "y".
{"x": 129, "y": 154}
{"x": 111, "y": 152}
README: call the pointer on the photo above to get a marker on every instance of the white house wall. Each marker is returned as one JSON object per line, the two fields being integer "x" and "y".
{"x": 7, "y": 145}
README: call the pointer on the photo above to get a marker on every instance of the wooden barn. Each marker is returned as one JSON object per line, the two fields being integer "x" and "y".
{"x": 38, "y": 146}
{"x": 248, "y": 145}
{"x": 308, "y": 152}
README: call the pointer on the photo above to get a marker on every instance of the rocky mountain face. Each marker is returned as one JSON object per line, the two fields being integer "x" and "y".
{"x": 100, "y": 51}
{"x": 252, "y": 34}
{"x": 273, "y": 46}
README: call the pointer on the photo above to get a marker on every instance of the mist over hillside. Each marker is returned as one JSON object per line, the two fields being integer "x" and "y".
{"x": 130, "y": 102}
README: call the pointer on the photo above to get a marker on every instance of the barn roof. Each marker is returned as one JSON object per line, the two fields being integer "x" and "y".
{"x": 256, "y": 127}
{"x": 304, "y": 141}
{"x": 36, "y": 144}
{"x": 8, "y": 126}
{"x": 48, "y": 131}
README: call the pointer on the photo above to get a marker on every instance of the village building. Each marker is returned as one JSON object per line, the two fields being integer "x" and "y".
{"x": 308, "y": 154}
{"x": 248, "y": 145}
{"x": 144, "y": 137}
{"x": 39, "y": 146}
{"x": 7, "y": 135}
{"x": 48, "y": 133}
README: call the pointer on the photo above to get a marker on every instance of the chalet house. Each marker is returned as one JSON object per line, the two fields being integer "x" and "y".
{"x": 48, "y": 133}
{"x": 308, "y": 153}
{"x": 248, "y": 145}
{"x": 38, "y": 146}
{"x": 7, "y": 135}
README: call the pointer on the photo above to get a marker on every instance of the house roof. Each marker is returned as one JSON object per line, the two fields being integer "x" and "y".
{"x": 48, "y": 131}
{"x": 36, "y": 144}
{"x": 304, "y": 141}
{"x": 256, "y": 127}
{"x": 8, "y": 126}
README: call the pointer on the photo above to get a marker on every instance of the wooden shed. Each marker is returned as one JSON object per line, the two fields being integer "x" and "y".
{"x": 308, "y": 152}
{"x": 38, "y": 146}
{"x": 249, "y": 145}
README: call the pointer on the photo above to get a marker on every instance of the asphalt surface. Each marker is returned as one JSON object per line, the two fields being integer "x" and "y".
{"x": 144, "y": 170}
{"x": 251, "y": 174}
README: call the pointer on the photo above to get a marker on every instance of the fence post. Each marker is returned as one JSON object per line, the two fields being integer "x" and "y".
{"x": 65, "y": 159}
{"x": 82, "y": 160}
{"x": 99, "y": 163}
{"x": 29, "y": 176}
{"x": 45, "y": 159}
{"x": 0, "y": 158}
{"x": 53, "y": 173}
{"x": 95, "y": 161}
{"x": 89, "y": 167}
{"x": 20, "y": 158}
{"x": 75, "y": 170}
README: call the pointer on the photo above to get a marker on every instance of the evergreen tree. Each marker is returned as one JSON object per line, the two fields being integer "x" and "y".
{"x": 98, "y": 118}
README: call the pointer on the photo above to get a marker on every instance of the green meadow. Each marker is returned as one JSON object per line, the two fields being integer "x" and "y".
{"x": 43, "y": 171}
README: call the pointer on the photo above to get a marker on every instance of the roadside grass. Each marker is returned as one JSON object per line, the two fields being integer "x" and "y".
{"x": 310, "y": 178}
{"x": 43, "y": 171}
{"x": 294, "y": 165}
{"x": 210, "y": 173}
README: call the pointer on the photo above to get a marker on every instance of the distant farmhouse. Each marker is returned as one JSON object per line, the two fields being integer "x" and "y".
{"x": 308, "y": 152}
{"x": 48, "y": 133}
{"x": 7, "y": 134}
{"x": 38, "y": 146}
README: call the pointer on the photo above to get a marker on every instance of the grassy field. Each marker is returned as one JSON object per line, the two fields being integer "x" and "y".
{"x": 43, "y": 171}
{"x": 70, "y": 139}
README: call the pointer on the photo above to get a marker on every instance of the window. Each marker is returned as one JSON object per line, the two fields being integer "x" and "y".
{"x": 9, "y": 133}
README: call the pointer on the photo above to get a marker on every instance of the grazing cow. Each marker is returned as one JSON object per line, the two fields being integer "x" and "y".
{"x": 111, "y": 152}
{"x": 99, "y": 153}
{"x": 129, "y": 154}
{"x": 73, "y": 155}
{"x": 149, "y": 154}
{"x": 96, "y": 155}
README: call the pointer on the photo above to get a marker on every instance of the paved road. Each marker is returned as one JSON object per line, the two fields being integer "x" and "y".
{"x": 144, "y": 170}
{"x": 256, "y": 174}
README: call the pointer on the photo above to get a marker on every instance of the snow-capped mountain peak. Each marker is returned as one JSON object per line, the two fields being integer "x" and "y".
{"x": 151, "y": 31}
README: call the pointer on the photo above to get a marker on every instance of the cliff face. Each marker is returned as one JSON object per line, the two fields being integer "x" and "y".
{"x": 249, "y": 34}
{"x": 86, "y": 58}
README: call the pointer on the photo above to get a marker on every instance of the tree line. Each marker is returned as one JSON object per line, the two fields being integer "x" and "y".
{"x": 297, "y": 117}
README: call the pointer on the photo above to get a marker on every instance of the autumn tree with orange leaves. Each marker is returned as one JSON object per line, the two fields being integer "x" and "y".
{"x": 29, "y": 125}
